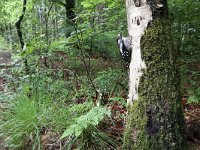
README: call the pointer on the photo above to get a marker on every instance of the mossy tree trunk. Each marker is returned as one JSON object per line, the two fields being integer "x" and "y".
{"x": 155, "y": 119}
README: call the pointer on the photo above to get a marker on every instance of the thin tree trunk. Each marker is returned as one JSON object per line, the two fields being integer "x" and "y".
{"x": 11, "y": 36}
{"x": 54, "y": 24}
{"x": 69, "y": 6}
{"x": 47, "y": 31}
{"x": 47, "y": 23}
{"x": 18, "y": 24}
{"x": 155, "y": 119}
{"x": 6, "y": 36}
{"x": 19, "y": 32}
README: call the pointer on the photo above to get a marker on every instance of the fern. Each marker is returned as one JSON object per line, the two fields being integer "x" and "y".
{"x": 93, "y": 117}
{"x": 84, "y": 134}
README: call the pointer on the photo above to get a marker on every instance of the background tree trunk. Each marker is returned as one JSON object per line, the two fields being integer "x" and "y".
{"x": 20, "y": 35}
{"x": 69, "y": 6}
{"x": 155, "y": 120}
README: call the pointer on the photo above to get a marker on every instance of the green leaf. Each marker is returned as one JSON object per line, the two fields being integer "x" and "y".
{"x": 86, "y": 4}
{"x": 93, "y": 117}
{"x": 69, "y": 131}
{"x": 59, "y": 43}
{"x": 78, "y": 131}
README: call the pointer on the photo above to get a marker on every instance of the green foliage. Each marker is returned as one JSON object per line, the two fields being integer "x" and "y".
{"x": 77, "y": 54}
{"x": 84, "y": 131}
{"x": 2, "y": 43}
{"x": 20, "y": 123}
{"x": 106, "y": 80}
{"x": 194, "y": 96}
{"x": 92, "y": 118}
{"x": 93, "y": 30}
{"x": 51, "y": 92}
{"x": 32, "y": 109}
{"x": 9, "y": 11}
{"x": 185, "y": 17}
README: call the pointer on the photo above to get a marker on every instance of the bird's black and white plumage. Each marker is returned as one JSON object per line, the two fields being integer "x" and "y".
{"x": 125, "y": 48}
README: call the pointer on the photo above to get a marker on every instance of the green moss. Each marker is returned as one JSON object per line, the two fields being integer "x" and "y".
{"x": 155, "y": 120}
{"x": 135, "y": 121}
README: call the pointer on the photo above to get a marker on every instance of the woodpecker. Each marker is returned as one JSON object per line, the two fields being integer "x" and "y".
{"x": 125, "y": 48}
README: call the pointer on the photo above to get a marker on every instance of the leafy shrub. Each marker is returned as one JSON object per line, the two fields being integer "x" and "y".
{"x": 107, "y": 80}
{"x": 195, "y": 96}
{"x": 3, "y": 43}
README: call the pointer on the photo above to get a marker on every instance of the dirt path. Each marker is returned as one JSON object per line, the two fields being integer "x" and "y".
{"x": 5, "y": 60}
{"x": 4, "y": 57}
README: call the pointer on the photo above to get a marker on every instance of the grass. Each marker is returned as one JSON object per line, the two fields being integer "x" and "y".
{"x": 33, "y": 112}
{"x": 27, "y": 114}
{"x": 4, "y": 45}
{"x": 48, "y": 104}
{"x": 20, "y": 124}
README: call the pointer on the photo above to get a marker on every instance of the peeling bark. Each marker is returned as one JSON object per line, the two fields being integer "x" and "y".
{"x": 155, "y": 119}
{"x": 138, "y": 19}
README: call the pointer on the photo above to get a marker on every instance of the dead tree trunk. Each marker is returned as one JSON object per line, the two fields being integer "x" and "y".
{"x": 155, "y": 119}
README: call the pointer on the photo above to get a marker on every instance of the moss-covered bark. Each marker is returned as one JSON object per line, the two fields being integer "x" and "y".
{"x": 155, "y": 120}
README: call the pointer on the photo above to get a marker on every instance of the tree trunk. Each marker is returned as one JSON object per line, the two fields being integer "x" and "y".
{"x": 155, "y": 119}
{"x": 18, "y": 24}
{"x": 69, "y": 6}
{"x": 11, "y": 36}
{"x": 70, "y": 15}
{"x": 55, "y": 24}
{"x": 20, "y": 35}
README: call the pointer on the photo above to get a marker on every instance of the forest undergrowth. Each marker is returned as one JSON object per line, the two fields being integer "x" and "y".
{"x": 58, "y": 109}
{"x": 67, "y": 87}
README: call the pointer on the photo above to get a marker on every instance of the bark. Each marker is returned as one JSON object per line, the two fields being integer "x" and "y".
{"x": 155, "y": 118}
{"x": 18, "y": 24}
{"x": 70, "y": 15}
{"x": 69, "y": 6}
{"x": 11, "y": 36}
{"x": 55, "y": 24}
{"x": 47, "y": 13}
{"x": 19, "y": 33}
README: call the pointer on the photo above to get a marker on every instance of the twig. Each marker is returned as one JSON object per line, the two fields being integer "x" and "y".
{"x": 117, "y": 83}
{"x": 192, "y": 121}
{"x": 192, "y": 115}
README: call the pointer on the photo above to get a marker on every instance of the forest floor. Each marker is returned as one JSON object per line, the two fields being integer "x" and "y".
{"x": 192, "y": 120}
{"x": 191, "y": 112}
{"x": 5, "y": 60}
{"x": 5, "y": 63}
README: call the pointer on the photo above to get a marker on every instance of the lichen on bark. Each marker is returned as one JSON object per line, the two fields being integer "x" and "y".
{"x": 155, "y": 120}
